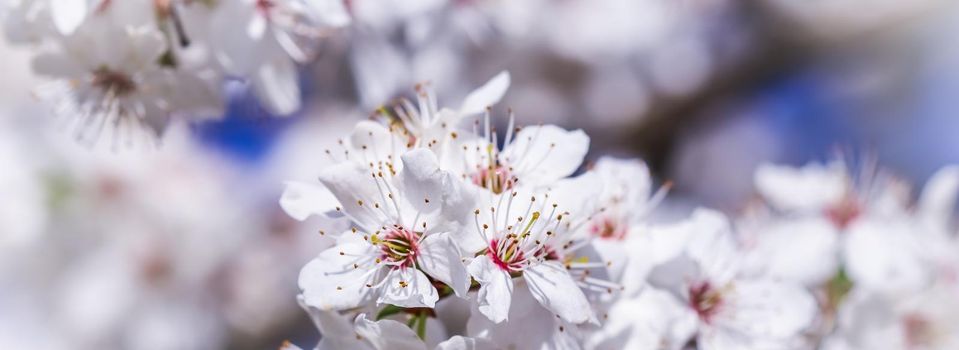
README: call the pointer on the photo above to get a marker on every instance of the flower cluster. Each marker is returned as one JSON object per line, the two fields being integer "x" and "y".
{"x": 482, "y": 238}
{"x": 127, "y": 67}
{"x": 882, "y": 266}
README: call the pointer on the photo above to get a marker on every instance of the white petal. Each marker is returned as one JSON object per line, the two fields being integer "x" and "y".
{"x": 355, "y": 189}
{"x": 885, "y": 255}
{"x": 331, "y": 12}
{"x": 290, "y": 46}
{"x": 938, "y": 197}
{"x": 374, "y": 141}
{"x": 56, "y": 65}
{"x": 276, "y": 86}
{"x": 440, "y": 259}
{"x": 543, "y": 154}
{"x": 628, "y": 179}
{"x": 464, "y": 343}
{"x": 653, "y": 320}
{"x": 803, "y": 250}
{"x": 496, "y": 288}
{"x": 486, "y": 95}
{"x": 766, "y": 311}
{"x": 146, "y": 46}
{"x": 256, "y": 26}
{"x": 665, "y": 242}
{"x": 336, "y": 331}
{"x": 388, "y": 334}
{"x": 810, "y": 188}
{"x": 459, "y": 202}
{"x": 554, "y": 288}
{"x": 301, "y": 200}
{"x": 331, "y": 282}
{"x": 68, "y": 14}
{"x": 712, "y": 246}
{"x": 238, "y": 52}
{"x": 408, "y": 287}
{"x": 422, "y": 180}
{"x": 530, "y": 326}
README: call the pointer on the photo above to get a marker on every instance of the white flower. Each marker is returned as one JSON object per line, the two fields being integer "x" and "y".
{"x": 822, "y": 215}
{"x": 405, "y": 222}
{"x": 532, "y": 156}
{"x": 111, "y": 83}
{"x": 927, "y": 320}
{"x": 733, "y": 312}
{"x": 150, "y": 248}
{"x": 529, "y": 235}
{"x": 27, "y": 21}
{"x": 622, "y": 203}
{"x": 261, "y": 39}
{"x": 425, "y": 124}
{"x": 652, "y": 320}
{"x": 407, "y": 127}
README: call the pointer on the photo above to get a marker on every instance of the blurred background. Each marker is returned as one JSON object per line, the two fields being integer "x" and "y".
{"x": 184, "y": 246}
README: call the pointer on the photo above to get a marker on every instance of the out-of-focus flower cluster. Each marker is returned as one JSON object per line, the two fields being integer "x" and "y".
{"x": 128, "y": 67}
{"x": 152, "y": 250}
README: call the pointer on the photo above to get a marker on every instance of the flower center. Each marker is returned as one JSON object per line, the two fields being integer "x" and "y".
{"x": 506, "y": 254}
{"x": 264, "y": 6}
{"x": 607, "y": 228}
{"x": 705, "y": 300}
{"x": 844, "y": 212}
{"x": 108, "y": 80}
{"x": 494, "y": 178}
{"x": 103, "y": 6}
{"x": 918, "y": 331}
{"x": 399, "y": 247}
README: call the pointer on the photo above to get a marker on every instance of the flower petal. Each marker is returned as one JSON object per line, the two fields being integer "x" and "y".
{"x": 387, "y": 334}
{"x": 786, "y": 248}
{"x": 440, "y": 259}
{"x": 530, "y": 326}
{"x": 374, "y": 142}
{"x": 712, "y": 246}
{"x": 465, "y": 343}
{"x": 237, "y": 51}
{"x": 810, "y": 188}
{"x": 301, "y": 200}
{"x": 355, "y": 189}
{"x": 67, "y": 15}
{"x": 336, "y": 330}
{"x": 56, "y": 65}
{"x": 543, "y": 154}
{"x": 276, "y": 86}
{"x": 938, "y": 197}
{"x": 764, "y": 312}
{"x": 885, "y": 255}
{"x": 486, "y": 95}
{"x": 408, "y": 287}
{"x": 330, "y": 12}
{"x": 422, "y": 180}
{"x": 332, "y": 282}
{"x": 496, "y": 288}
{"x": 554, "y": 288}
